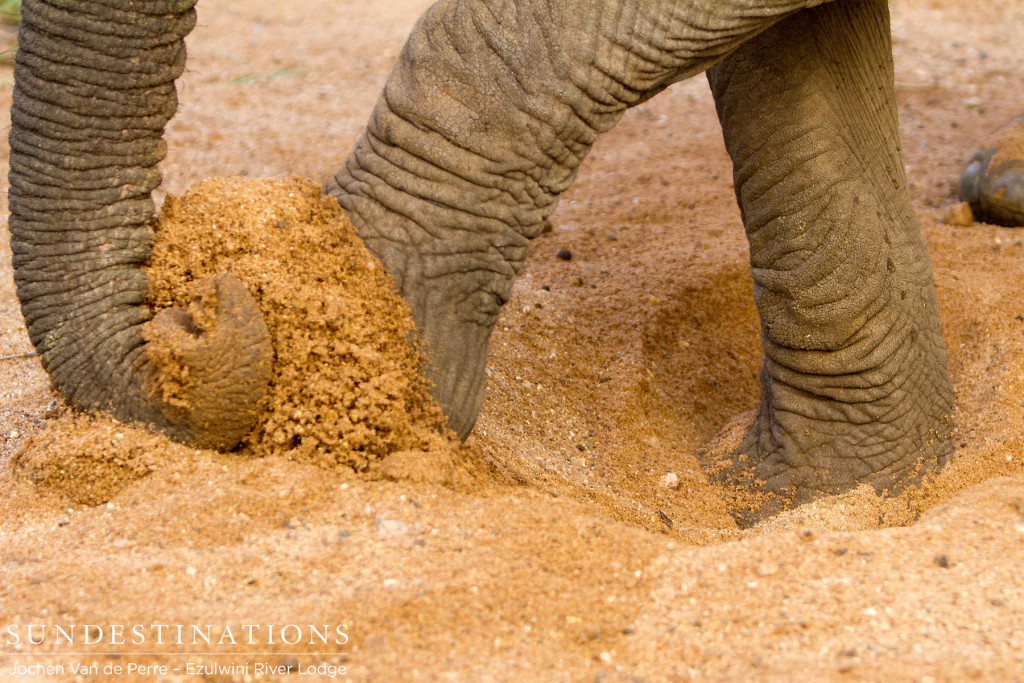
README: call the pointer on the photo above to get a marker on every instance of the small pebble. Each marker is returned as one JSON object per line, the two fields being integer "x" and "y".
{"x": 959, "y": 215}
{"x": 52, "y": 410}
{"x": 290, "y": 663}
{"x": 564, "y": 254}
{"x": 390, "y": 527}
{"x": 665, "y": 519}
{"x": 15, "y": 434}
{"x": 670, "y": 480}
{"x": 767, "y": 568}
{"x": 808, "y": 535}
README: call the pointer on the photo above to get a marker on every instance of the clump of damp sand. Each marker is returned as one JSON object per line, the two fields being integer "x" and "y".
{"x": 347, "y": 387}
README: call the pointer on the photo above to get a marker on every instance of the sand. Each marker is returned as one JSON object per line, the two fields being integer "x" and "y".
{"x": 346, "y": 386}
{"x": 558, "y": 552}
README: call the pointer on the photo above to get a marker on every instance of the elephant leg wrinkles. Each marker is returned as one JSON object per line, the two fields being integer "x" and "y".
{"x": 490, "y": 110}
{"x": 481, "y": 126}
{"x": 854, "y": 382}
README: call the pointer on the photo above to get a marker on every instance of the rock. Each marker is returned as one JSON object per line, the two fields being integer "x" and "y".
{"x": 959, "y": 215}
{"x": 670, "y": 480}
{"x": 390, "y": 527}
{"x": 564, "y": 254}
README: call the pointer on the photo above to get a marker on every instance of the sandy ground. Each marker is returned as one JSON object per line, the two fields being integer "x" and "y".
{"x": 565, "y": 558}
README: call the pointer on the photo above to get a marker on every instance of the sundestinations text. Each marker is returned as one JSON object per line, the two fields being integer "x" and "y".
{"x": 175, "y": 634}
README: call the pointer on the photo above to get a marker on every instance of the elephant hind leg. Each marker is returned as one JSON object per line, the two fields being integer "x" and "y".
{"x": 993, "y": 181}
{"x": 854, "y": 382}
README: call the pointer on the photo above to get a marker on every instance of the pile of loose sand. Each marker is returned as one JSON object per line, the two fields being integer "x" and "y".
{"x": 346, "y": 388}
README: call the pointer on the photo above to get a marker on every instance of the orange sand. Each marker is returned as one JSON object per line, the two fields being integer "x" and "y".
{"x": 560, "y": 555}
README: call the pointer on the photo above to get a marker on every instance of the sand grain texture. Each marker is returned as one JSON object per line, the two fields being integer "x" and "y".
{"x": 346, "y": 387}
{"x": 560, "y": 554}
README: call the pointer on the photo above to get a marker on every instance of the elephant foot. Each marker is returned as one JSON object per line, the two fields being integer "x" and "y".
{"x": 787, "y": 458}
{"x": 454, "y": 283}
{"x": 854, "y": 386}
{"x": 993, "y": 182}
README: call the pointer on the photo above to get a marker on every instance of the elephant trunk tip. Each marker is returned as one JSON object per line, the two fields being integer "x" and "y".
{"x": 207, "y": 366}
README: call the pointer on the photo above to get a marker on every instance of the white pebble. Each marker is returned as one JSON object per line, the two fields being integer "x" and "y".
{"x": 670, "y": 480}
{"x": 390, "y": 527}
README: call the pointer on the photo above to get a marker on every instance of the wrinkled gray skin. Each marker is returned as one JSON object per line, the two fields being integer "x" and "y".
{"x": 490, "y": 109}
{"x": 482, "y": 125}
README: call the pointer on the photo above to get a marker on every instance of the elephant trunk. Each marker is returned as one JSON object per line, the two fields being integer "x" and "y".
{"x": 94, "y": 88}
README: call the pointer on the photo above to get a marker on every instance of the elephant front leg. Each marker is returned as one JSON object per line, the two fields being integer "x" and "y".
{"x": 855, "y": 386}
{"x": 483, "y": 124}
